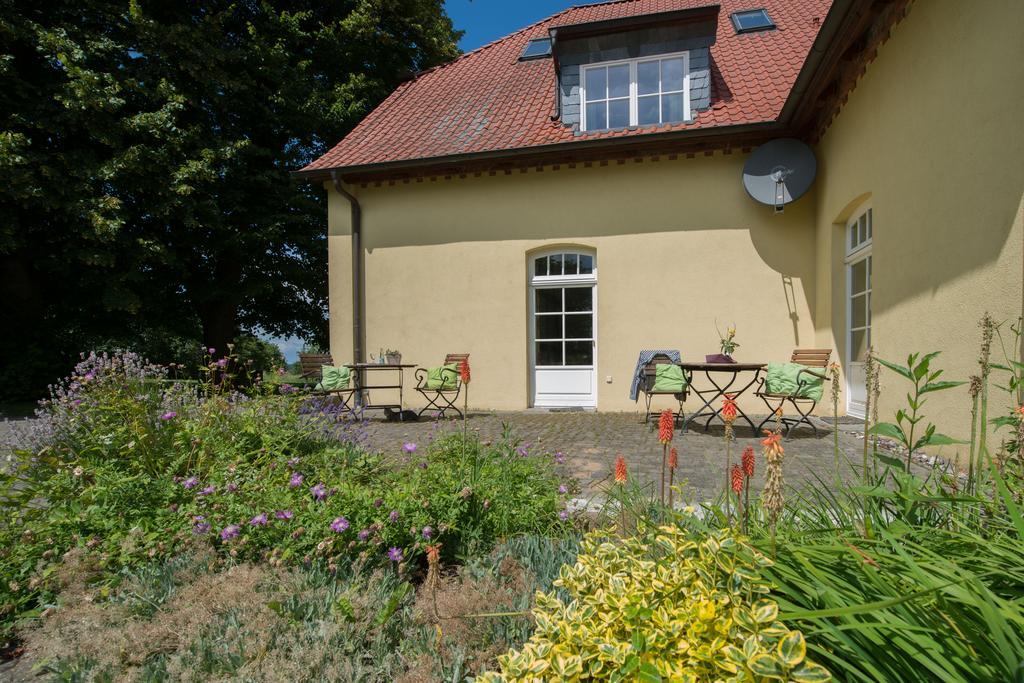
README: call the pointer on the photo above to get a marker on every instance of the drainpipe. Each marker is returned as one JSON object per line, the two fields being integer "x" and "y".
{"x": 358, "y": 307}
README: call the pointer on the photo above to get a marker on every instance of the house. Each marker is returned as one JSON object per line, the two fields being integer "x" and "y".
{"x": 564, "y": 197}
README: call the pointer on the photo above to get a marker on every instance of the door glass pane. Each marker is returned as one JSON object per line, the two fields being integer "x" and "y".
{"x": 579, "y": 353}
{"x": 569, "y": 264}
{"x": 647, "y": 78}
{"x": 618, "y": 113}
{"x": 596, "y": 119}
{"x": 618, "y": 81}
{"x": 858, "y": 276}
{"x": 647, "y": 110}
{"x": 858, "y": 311}
{"x": 555, "y": 266}
{"x": 540, "y": 266}
{"x": 672, "y": 108}
{"x": 549, "y": 326}
{"x": 869, "y": 309}
{"x": 578, "y": 299}
{"x": 549, "y": 300}
{"x": 859, "y": 345}
{"x": 595, "y": 85}
{"x": 586, "y": 264}
{"x": 579, "y": 326}
{"x": 549, "y": 353}
{"x": 672, "y": 74}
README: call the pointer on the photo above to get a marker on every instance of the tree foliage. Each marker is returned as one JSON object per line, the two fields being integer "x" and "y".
{"x": 146, "y": 148}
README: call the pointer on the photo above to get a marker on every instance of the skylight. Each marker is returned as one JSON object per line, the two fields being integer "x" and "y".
{"x": 752, "y": 20}
{"x": 537, "y": 48}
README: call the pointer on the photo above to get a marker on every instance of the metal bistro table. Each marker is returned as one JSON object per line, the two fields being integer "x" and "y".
{"x": 363, "y": 387}
{"x": 733, "y": 371}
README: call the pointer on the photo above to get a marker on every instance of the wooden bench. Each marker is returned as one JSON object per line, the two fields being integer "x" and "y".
{"x": 812, "y": 358}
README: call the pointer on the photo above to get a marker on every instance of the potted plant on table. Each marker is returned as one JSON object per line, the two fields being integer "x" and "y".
{"x": 727, "y": 343}
{"x": 392, "y": 357}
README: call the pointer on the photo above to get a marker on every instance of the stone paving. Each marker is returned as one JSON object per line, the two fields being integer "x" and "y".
{"x": 591, "y": 441}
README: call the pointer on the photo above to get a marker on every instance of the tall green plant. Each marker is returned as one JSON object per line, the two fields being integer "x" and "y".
{"x": 907, "y": 429}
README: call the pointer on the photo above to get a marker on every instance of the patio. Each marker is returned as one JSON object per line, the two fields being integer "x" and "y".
{"x": 590, "y": 442}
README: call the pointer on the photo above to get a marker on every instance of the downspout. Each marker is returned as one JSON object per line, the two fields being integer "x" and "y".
{"x": 358, "y": 307}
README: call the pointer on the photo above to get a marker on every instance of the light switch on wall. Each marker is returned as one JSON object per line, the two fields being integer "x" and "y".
{"x": 608, "y": 379}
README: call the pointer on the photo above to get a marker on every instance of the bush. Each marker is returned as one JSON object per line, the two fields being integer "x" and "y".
{"x": 130, "y": 466}
{"x": 662, "y": 605}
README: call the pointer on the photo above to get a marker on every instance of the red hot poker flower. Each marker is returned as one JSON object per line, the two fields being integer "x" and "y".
{"x": 673, "y": 458}
{"x": 748, "y": 461}
{"x": 729, "y": 408}
{"x": 464, "y": 371}
{"x": 737, "y": 479}
{"x": 620, "y": 470}
{"x": 772, "y": 443}
{"x": 665, "y": 426}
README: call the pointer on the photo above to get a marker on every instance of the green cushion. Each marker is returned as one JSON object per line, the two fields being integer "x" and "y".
{"x": 783, "y": 378}
{"x": 669, "y": 379}
{"x": 443, "y": 377}
{"x": 333, "y": 378}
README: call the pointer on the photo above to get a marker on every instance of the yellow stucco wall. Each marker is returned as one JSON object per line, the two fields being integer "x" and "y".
{"x": 678, "y": 245}
{"x": 932, "y": 135}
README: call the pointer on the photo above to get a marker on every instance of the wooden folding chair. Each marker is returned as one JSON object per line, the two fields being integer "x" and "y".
{"x": 647, "y": 387}
{"x": 441, "y": 400}
{"x": 310, "y": 369}
{"x": 812, "y": 358}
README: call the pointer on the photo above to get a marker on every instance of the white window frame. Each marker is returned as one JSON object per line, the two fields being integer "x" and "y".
{"x": 855, "y": 253}
{"x": 555, "y": 280}
{"x": 687, "y": 113}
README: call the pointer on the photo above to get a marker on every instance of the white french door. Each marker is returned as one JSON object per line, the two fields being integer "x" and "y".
{"x": 858, "y": 310}
{"x": 563, "y": 330}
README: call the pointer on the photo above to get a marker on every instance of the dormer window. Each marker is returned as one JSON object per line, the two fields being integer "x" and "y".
{"x": 752, "y": 20}
{"x": 636, "y": 92}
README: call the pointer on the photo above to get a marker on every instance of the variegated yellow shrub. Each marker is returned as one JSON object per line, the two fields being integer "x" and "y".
{"x": 661, "y": 606}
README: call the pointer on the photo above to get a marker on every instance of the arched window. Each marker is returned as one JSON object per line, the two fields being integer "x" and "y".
{"x": 564, "y": 264}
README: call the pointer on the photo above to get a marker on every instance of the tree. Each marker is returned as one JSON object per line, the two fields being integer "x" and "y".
{"x": 146, "y": 149}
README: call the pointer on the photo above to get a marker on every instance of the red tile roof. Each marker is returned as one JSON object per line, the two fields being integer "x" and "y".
{"x": 489, "y": 101}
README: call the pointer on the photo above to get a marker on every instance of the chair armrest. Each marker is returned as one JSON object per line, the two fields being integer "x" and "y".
{"x": 421, "y": 377}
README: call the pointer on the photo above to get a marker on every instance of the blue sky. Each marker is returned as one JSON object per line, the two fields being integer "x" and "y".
{"x": 487, "y": 20}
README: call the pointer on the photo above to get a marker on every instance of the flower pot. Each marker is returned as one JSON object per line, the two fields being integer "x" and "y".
{"x": 718, "y": 358}
{"x": 393, "y": 359}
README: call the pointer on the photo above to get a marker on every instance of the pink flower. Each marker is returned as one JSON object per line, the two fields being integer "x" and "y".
{"x": 169, "y": 415}
{"x": 319, "y": 491}
{"x": 409, "y": 447}
{"x": 339, "y": 525}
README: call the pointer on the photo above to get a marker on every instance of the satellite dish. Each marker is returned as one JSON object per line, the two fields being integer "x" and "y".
{"x": 779, "y": 172}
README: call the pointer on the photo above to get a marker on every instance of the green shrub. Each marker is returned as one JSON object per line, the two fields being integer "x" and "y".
{"x": 662, "y": 605}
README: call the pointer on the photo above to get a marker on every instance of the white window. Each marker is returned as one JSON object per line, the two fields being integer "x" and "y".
{"x": 858, "y": 308}
{"x": 636, "y": 92}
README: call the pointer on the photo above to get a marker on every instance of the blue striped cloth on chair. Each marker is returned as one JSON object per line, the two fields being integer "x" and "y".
{"x": 645, "y": 357}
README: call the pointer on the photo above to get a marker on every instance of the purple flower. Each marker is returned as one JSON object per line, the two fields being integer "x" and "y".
{"x": 259, "y": 520}
{"x": 319, "y": 491}
{"x": 191, "y": 482}
{"x": 395, "y": 554}
{"x": 523, "y": 451}
{"x": 423, "y": 465}
{"x": 559, "y": 457}
{"x": 222, "y": 363}
{"x": 363, "y": 535}
{"x": 207, "y": 491}
{"x": 378, "y": 502}
{"x": 287, "y": 389}
{"x": 284, "y": 514}
{"x": 229, "y": 532}
{"x": 232, "y": 487}
{"x": 211, "y": 350}
{"x": 89, "y": 375}
{"x": 295, "y": 481}
{"x": 410, "y": 447}
{"x": 393, "y": 516}
{"x": 563, "y": 489}
{"x": 201, "y": 528}
{"x": 339, "y": 525}
{"x": 293, "y": 462}
{"x": 427, "y": 532}
{"x": 169, "y": 415}
{"x": 563, "y": 515}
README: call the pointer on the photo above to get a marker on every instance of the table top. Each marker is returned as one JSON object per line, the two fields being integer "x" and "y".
{"x": 378, "y": 366}
{"x": 721, "y": 367}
